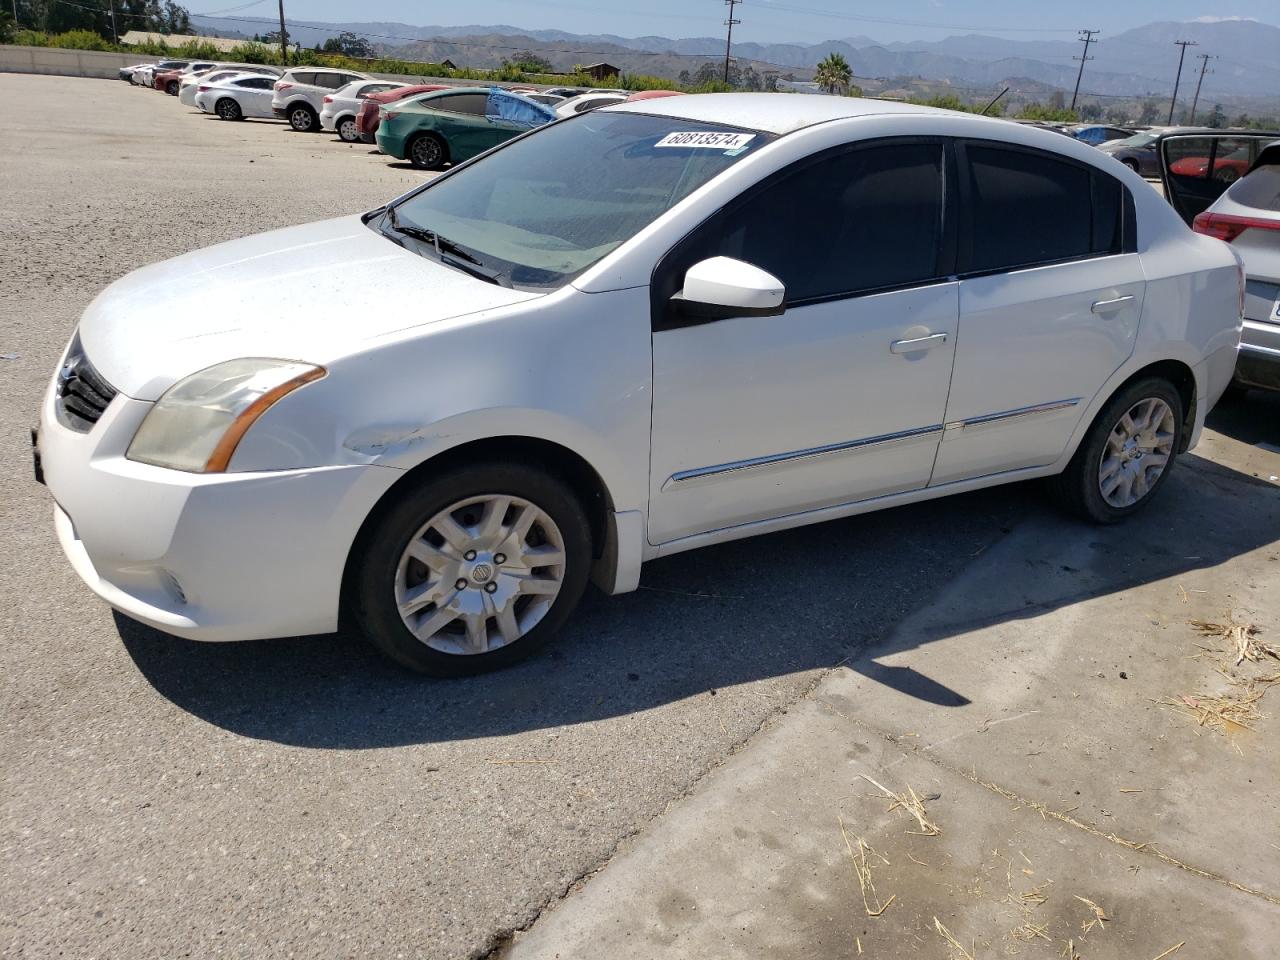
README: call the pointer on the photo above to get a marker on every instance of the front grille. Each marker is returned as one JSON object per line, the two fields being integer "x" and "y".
{"x": 83, "y": 395}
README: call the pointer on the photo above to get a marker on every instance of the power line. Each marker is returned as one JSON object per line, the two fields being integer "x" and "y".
{"x": 911, "y": 23}
{"x": 1182, "y": 53}
{"x": 1086, "y": 36}
{"x": 728, "y": 41}
{"x": 1204, "y": 63}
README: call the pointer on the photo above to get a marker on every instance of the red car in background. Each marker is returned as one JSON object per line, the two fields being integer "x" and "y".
{"x": 367, "y": 119}
{"x": 1226, "y": 169}
{"x": 167, "y": 80}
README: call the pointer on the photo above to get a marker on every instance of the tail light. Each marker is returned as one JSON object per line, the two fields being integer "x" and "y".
{"x": 390, "y": 114}
{"x": 283, "y": 86}
{"x": 1227, "y": 227}
{"x": 328, "y": 99}
{"x": 201, "y": 89}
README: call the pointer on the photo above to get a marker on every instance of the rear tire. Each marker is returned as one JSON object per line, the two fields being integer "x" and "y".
{"x": 1116, "y": 471}
{"x": 1132, "y": 165}
{"x": 304, "y": 119}
{"x": 478, "y": 600}
{"x": 228, "y": 109}
{"x": 427, "y": 152}
{"x": 347, "y": 131}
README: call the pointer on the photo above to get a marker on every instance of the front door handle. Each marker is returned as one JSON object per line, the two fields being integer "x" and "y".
{"x": 918, "y": 343}
{"x": 1112, "y": 305}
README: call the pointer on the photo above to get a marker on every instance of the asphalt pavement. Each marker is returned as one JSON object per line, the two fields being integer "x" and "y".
{"x": 303, "y": 797}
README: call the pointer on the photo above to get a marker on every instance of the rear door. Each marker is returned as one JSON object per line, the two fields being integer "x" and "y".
{"x": 255, "y": 95}
{"x": 1198, "y": 168}
{"x": 1051, "y": 290}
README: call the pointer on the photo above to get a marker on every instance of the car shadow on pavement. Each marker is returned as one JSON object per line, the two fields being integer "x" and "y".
{"x": 770, "y": 606}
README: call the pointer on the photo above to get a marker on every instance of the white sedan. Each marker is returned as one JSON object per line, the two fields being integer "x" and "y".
{"x": 650, "y": 328}
{"x": 238, "y": 96}
{"x": 339, "y": 109}
{"x": 190, "y": 83}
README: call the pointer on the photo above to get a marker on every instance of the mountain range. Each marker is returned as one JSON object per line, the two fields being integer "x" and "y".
{"x": 1138, "y": 61}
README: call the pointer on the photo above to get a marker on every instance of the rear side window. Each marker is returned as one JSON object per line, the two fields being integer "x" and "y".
{"x": 857, "y": 221}
{"x": 1260, "y": 189}
{"x": 470, "y": 103}
{"x": 1025, "y": 208}
{"x": 306, "y": 78}
{"x": 255, "y": 83}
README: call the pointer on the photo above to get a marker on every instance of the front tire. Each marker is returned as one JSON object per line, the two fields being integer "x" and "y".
{"x": 470, "y": 571}
{"x": 303, "y": 119}
{"x": 171, "y": 88}
{"x": 228, "y": 109}
{"x": 1126, "y": 455}
{"x": 1132, "y": 165}
{"x": 427, "y": 152}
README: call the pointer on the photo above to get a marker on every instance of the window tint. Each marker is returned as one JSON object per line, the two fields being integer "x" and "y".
{"x": 305, "y": 77}
{"x": 859, "y": 220}
{"x": 1026, "y": 208}
{"x": 472, "y": 103}
{"x": 255, "y": 83}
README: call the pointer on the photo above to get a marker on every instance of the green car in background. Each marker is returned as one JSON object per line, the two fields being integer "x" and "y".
{"x": 449, "y": 126}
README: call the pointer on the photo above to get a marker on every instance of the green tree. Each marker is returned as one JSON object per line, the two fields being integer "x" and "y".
{"x": 526, "y": 61}
{"x": 348, "y": 44}
{"x": 834, "y": 75}
{"x": 1218, "y": 118}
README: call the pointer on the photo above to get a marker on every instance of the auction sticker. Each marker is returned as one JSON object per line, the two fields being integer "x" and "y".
{"x": 706, "y": 139}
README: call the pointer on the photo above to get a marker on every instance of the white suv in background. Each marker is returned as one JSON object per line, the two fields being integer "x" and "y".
{"x": 299, "y": 94}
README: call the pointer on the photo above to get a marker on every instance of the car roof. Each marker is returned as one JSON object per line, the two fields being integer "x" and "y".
{"x": 771, "y": 112}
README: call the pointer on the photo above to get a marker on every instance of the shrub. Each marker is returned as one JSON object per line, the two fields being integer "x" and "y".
{"x": 80, "y": 40}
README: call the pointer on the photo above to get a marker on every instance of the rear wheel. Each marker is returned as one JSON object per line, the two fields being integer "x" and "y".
{"x": 1131, "y": 164}
{"x": 228, "y": 109}
{"x": 171, "y": 88}
{"x": 473, "y": 570}
{"x": 427, "y": 152}
{"x": 303, "y": 119}
{"x": 1126, "y": 455}
{"x": 347, "y": 130}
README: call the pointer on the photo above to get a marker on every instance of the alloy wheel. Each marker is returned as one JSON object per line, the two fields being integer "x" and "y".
{"x": 347, "y": 131}
{"x": 1137, "y": 452}
{"x": 427, "y": 152}
{"x": 300, "y": 120}
{"x": 480, "y": 574}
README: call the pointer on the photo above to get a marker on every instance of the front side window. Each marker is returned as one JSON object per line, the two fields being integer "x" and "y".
{"x": 1025, "y": 208}
{"x": 549, "y": 205}
{"x": 860, "y": 220}
{"x": 469, "y": 103}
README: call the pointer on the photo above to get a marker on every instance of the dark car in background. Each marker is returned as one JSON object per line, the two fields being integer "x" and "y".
{"x": 1097, "y": 134}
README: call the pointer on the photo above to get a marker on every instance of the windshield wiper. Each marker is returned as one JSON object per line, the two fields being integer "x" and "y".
{"x": 448, "y": 251}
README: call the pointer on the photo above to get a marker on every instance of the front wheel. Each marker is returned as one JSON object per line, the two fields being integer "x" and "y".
{"x": 171, "y": 88}
{"x": 1126, "y": 455}
{"x": 1131, "y": 164}
{"x": 471, "y": 571}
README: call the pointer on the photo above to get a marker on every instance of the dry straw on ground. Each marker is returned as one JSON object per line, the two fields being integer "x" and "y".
{"x": 958, "y": 952}
{"x": 862, "y": 870}
{"x": 1240, "y": 651}
{"x": 913, "y": 804}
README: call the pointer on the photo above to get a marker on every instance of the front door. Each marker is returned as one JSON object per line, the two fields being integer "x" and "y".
{"x": 839, "y": 399}
{"x": 1050, "y": 296}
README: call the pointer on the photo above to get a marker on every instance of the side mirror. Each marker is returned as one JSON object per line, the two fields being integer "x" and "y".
{"x": 722, "y": 287}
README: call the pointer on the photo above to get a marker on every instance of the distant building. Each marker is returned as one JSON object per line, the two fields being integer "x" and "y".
{"x": 601, "y": 71}
{"x": 449, "y": 64}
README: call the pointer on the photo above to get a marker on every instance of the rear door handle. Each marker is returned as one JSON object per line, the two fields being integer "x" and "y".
{"x": 919, "y": 343}
{"x": 1110, "y": 306}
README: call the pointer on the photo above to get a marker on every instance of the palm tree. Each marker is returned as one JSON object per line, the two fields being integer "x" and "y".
{"x": 834, "y": 73}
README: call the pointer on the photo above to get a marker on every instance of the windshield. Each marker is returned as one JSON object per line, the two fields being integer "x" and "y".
{"x": 550, "y": 205}
{"x": 1137, "y": 140}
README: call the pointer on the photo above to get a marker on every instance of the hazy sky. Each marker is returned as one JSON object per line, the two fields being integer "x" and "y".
{"x": 806, "y": 21}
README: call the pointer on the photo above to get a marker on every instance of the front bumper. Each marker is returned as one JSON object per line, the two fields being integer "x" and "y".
{"x": 280, "y": 112}
{"x": 1259, "y": 362}
{"x": 203, "y": 556}
{"x": 327, "y": 121}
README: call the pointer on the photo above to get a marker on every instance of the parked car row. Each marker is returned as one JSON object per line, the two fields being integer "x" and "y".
{"x": 430, "y": 125}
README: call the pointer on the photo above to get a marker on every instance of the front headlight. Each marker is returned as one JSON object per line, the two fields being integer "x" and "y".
{"x": 199, "y": 421}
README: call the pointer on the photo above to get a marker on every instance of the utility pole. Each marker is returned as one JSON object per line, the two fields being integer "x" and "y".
{"x": 1204, "y": 63}
{"x": 1086, "y": 37}
{"x": 1178, "y": 80}
{"x": 729, "y": 39}
{"x": 115, "y": 35}
{"x": 284, "y": 39}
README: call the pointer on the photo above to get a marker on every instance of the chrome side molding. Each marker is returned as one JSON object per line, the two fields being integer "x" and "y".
{"x": 988, "y": 419}
{"x": 690, "y": 478}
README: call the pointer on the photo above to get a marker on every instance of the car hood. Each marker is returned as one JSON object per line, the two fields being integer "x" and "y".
{"x": 309, "y": 293}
